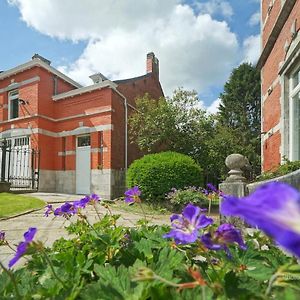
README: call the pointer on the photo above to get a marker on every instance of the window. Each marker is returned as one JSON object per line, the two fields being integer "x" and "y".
{"x": 83, "y": 141}
{"x": 295, "y": 114}
{"x": 13, "y": 104}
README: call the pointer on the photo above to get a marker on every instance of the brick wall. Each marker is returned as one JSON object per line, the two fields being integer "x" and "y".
{"x": 272, "y": 115}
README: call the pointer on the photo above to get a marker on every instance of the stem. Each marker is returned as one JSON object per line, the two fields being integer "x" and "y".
{"x": 141, "y": 206}
{"x": 272, "y": 279}
{"x": 52, "y": 267}
{"x": 209, "y": 206}
{"x": 166, "y": 281}
{"x": 13, "y": 280}
{"x": 96, "y": 210}
{"x": 10, "y": 247}
{"x": 203, "y": 294}
{"x": 93, "y": 228}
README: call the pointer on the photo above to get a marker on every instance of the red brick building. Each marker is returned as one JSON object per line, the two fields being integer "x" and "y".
{"x": 280, "y": 73}
{"x": 81, "y": 132}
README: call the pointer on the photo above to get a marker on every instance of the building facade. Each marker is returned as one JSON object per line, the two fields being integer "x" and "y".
{"x": 81, "y": 132}
{"x": 280, "y": 74}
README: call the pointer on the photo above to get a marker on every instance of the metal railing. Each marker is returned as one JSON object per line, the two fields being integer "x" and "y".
{"x": 19, "y": 166}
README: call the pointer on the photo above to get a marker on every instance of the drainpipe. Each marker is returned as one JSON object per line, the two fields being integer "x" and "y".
{"x": 126, "y": 127}
{"x": 126, "y": 104}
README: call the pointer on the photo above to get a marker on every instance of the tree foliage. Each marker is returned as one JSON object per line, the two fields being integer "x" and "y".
{"x": 175, "y": 124}
{"x": 240, "y": 111}
{"x": 179, "y": 124}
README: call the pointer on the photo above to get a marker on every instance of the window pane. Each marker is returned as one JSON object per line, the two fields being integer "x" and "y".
{"x": 83, "y": 141}
{"x": 14, "y": 108}
{"x": 296, "y": 78}
{"x": 296, "y": 127}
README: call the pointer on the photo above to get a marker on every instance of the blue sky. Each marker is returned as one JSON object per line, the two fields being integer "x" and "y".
{"x": 197, "y": 42}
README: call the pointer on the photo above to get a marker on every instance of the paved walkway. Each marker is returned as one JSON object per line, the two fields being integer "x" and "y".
{"x": 49, "y": 229}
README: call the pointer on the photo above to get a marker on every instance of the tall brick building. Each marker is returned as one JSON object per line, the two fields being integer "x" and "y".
{"x": 81, "y": 132}
{"x": 280, "y": 73}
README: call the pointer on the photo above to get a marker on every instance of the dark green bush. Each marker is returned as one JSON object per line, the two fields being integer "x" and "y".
{"x": 156, "y": 174}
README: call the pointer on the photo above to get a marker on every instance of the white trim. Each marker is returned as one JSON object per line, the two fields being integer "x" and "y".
{"x": 271, "y": 88}
{"x": 99, "y": 111}
{"x": 38, "y": 63}
{"x": 99, "y": 150}
{"x": 271, "y": 132}
{"x": 16, "y": 85}
{"x": 77, "y": 131}
{"x": 82, "y": 90}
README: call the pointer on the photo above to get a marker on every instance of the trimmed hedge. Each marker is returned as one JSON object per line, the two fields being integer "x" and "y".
{"x": 156, "y": 174}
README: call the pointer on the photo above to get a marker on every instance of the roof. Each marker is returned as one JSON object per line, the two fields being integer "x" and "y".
{"x": 86, "y": 89}
{"x": 132, "y": 79}
{"x": 38, "y": 63}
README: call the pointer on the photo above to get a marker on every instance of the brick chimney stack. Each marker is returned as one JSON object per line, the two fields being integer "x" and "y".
{"x": 152, "y": 64}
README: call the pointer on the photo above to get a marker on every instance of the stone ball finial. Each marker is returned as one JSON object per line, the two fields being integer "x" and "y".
{"x": 235, "y": 162}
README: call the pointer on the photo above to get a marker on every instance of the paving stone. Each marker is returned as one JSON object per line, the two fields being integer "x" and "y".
{"x": 49, "y": 229}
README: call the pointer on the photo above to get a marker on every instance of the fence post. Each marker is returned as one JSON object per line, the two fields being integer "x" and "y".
{"x": 32, "y": 168}
{"x": 3, "y": 162}
{"x": 235, "y": 184}
{"x": 4, "y": 185}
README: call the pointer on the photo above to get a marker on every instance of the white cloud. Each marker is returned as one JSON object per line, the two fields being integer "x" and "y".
{"x": 216, "y": 7}
{"x": 214, "y": 107}
{"x": 195, "y": 51}
{"x": 251, "y": 48}
{"x": 255, "y": 19}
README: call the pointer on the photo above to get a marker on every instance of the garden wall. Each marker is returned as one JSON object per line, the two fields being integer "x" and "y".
{"x": 292, "y": 178}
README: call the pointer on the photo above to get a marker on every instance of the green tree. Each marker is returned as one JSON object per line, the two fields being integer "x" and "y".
{"x": 176, "y": 124}
{"x": 240, "y": 112}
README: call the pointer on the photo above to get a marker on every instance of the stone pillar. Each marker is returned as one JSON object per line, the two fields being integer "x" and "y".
{"x": 235, "y": 184}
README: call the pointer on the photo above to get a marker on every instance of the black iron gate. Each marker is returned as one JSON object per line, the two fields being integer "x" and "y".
{"x": 19, "y": 165}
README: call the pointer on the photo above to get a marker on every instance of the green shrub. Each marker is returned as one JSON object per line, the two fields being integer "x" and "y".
{"x": 204, "y": 198}
{"x": 156, "y": 174}
{"x": 286, "y": 168}
{"x": 181, "y": 197}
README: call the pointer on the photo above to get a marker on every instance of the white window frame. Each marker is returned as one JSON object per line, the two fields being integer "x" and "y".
{"x": 294, "y": 91}
{"x": 12, "y": 95}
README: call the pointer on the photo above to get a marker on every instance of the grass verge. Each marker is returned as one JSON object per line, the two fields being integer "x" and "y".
{"x": 135, "y": 208}
{"x": 12, "y": 204}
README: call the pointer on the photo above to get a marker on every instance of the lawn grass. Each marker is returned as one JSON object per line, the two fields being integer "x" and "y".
{"x": 12, "y": 204}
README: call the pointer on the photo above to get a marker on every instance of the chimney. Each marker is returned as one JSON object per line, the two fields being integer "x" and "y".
{"x": 152, "y": 64}
{"x": 97, "y": 78}
{"x": 37, "y": 56}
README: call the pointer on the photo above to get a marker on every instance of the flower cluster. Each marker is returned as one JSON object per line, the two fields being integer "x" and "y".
{"x": 186, "y": 229}
{"x": 273, "y": 208}
{"x": 71, "y": 208}
{"x": 23, "y": 246}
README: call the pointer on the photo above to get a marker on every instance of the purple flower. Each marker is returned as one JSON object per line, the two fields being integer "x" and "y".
{"x": 185, "y": 228}
{"x": 2, "y": 237}
{"x": 274, "y": 208}
{"x": 224, "y": 235}
{"x": 67, "y": 209}
{"x": 82, "y": 203}
{"x": 211, "y": 187}
{"x": 133, "y": 195}
{"x": 49, "y": 210}
{"x": 22, "y": 247}
{"x": 94, "y": 198}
